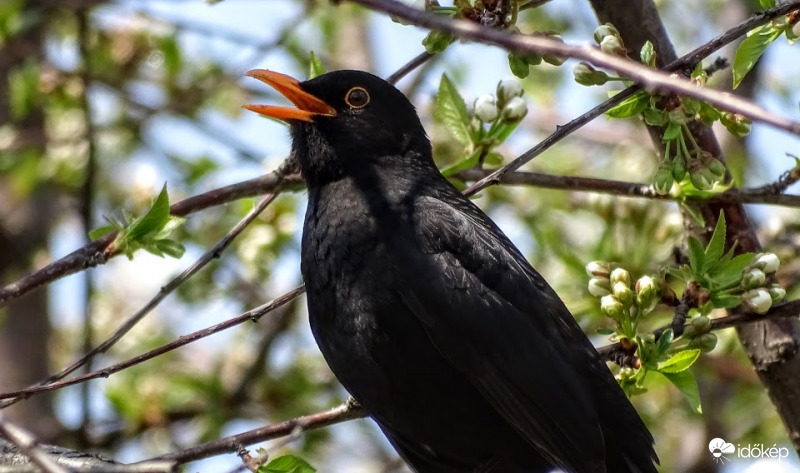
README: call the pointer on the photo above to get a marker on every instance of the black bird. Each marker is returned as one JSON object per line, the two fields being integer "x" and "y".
{"x": 426, "y": 312}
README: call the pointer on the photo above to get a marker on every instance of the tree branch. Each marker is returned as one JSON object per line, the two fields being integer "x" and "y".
{"x": 653, "y": 80}
{"x": 347, "y": 411}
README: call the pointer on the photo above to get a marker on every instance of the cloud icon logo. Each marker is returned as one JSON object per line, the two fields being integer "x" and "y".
{"x": 718, "y": 447}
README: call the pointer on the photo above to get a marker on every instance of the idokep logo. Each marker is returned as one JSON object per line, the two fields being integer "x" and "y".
{"x": 719, "y": 448}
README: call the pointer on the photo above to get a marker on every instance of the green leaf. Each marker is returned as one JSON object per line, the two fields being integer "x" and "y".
{"x": 287, "y": 464}
{"x": 606, "y": 331}
{"x": 751, "y": 49}
{"x": 648, "y": 54}
{"x": 153, "y": 221}
{"x": 685, "y": 382}
{"x": 680, "y": 361}
{"x": 725, "y": 301}
{"x": 673, "y": 131}
{"x": 172, "y": 56}
{"x": 630, "y": 107}
{"x": 437, "y": 41}
{"x": 466, "y": 163}
{"x": 101, "y": 232}
{"x": 315, "y": 66}
{"x": 166, "y": 247}
{"x": 730, "y": 271}
{"x": 765, "y": 4}
{"x": 716, "y": 246}
{"x": 696, "y": 255}
{"x": 451, "y": 111}
{"x": 664, "y": 341}
{"x": 519, "y": 66}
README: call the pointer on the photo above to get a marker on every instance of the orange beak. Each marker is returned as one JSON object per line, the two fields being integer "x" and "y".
{"x": 308, "y": 106}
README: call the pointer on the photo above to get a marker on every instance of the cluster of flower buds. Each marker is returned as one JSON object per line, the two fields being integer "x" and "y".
{"x": 759, "y": 297}
{"x": 609, "y": 40}
{"x": 613, "y": 287}
{"x": 509, "y": 106}
{"x": 698, "y": 331}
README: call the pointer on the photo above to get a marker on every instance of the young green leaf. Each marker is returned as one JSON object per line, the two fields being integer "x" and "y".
{"x": 729, "y": 271}
{"x": 466, "y": 163}
{"x": 716, "y": 246}
{"x": 451, "y": 111}
{"x": 696, "y": 255}
{"x": 519, "y": 66}
{"x": 287, "y": 464}
{"x": 315, "y": 66}
{"x": 673, "y": 131}
{"x": 101, "y": 232}
{"x": 153, "y": 221}
{"x": 751, "y": 50}
{"x": 685, "y": 382}
{"x": 630, "y": 107}
{"x": 765, "y": 4}
{"x": 679, "y": 361}
{"x": 648, "y": 54}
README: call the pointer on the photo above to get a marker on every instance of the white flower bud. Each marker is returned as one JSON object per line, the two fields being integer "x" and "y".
{"x": 777, "y": 293}
{"x": 508, "y": 89}
{"x": 612, "y": 45}
{"x": 621, "y": 275}
{"x": 623, "y": 292}
{"x": 598, "y": 269}
{"x": 767, "y": 262}
{"x": 599, "y": 287}
{"x": 486, "y": 109}
{"x": 758, "y": 300}
{"x": 604, "y": 30}
{"x": 753, "y": 278}
{"x": 647, "y": 293}
{"x": 515, "y": 109}
{"x": 612, "y": 307}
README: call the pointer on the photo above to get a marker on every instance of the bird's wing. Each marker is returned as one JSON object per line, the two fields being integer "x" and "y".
{"x": 499, "y": 323}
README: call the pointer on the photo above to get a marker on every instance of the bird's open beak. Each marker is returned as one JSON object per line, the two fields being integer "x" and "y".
{"x": 308, "y": 106}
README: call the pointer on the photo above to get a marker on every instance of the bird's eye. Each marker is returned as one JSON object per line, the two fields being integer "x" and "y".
{"x": 357, "y": 97}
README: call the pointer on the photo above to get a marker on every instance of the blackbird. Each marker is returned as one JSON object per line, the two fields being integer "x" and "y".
{"x": 427, "y": 313}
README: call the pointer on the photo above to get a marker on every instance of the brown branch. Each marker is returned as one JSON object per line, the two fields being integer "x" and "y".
{"x": 100, "y": 251}
{"x": 653, "y": 80}
{"x": 347, "y": 411}
{"x": 736, "y": 319}
{"x": 252, "y": 315}
{"x": 759, "y": 195}
{"x": 408, "y": 67}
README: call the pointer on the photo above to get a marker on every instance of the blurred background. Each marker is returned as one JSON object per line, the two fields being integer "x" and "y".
{"x": 103, "y": 102}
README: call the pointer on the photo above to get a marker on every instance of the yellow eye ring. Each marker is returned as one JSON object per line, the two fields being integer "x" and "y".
{"x": 357, "y": 97}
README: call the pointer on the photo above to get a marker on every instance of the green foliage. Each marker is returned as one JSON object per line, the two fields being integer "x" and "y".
{"x": 451, "y": 111}
{"x": 751, "y": 50}
{"x": 23, "y": 84}
{"x": 149, "y": 232}
{"x": 287, "y": 464}
{"x": 315, "y": 66}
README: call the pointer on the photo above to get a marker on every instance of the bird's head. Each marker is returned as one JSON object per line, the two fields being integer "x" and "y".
{"x": 345, "y": 121}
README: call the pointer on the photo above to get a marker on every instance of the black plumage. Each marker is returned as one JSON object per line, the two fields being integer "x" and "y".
{"x": 425, "y": 311}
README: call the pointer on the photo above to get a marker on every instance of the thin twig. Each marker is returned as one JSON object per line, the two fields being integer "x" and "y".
{"x": 252, "y": 315}
{"x": 347, "y": 411}
{"x": 759, "y": 195}
{"x": 408, "y": 67}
